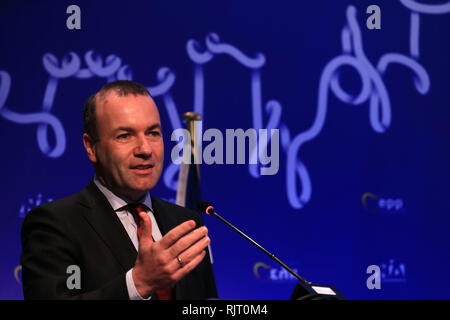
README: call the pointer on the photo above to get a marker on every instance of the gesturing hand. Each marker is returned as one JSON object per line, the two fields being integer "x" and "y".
{"x": 161, "y": 264}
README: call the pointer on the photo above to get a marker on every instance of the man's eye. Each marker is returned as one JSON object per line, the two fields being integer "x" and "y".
{"x": 123, "y": 136}
{"x": 155, "y": 133}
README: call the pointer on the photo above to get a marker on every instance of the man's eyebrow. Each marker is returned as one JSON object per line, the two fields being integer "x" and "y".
{"x": 155, "y": 126}
{"x": 130, "y": 129}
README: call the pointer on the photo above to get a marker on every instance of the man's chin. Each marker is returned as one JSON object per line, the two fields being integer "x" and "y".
{"x": 143, "y": 188}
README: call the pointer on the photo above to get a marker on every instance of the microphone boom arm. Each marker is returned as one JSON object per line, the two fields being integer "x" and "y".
{"x": 260, "y": 247}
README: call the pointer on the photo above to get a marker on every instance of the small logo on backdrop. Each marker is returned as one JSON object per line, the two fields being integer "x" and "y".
{"x": 18, "y": 274}
{"x": 30, "y": 203}
{"x": 393, "y": 272}
{"x": 266, "y": 272}
{"x": 375, "y": 203}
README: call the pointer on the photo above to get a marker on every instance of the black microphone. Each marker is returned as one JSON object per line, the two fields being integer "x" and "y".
{"x": 304, "y": 290}
{"x": 206, "y": 207}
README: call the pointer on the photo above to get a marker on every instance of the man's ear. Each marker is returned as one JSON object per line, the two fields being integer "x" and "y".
{"x": 89, "y": 145}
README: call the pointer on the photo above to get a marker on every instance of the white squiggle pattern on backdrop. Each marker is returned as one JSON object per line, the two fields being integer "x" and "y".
{"x": 372, "y": 86}
{"x": 372, "y": 89}
{"x": 215, "y": 47}
{"x": 70, "y": 66}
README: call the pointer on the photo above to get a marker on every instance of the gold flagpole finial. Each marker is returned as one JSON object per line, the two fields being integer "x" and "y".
{"x": 191, "y": 116}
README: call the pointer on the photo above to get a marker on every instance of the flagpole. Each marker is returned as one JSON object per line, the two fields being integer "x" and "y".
{"x": 189, "y": 119}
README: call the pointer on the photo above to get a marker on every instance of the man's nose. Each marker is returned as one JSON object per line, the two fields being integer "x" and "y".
{"x": 143, "y": 148}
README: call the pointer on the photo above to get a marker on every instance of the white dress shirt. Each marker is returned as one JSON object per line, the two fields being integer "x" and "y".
{"x": 127, "y": 220}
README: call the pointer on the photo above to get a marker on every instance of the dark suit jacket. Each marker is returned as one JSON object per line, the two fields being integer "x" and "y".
{"x": 83, "y": 230}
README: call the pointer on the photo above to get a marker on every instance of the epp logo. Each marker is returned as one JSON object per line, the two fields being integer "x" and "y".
{"x": 393, "y": 272}
{"x": 374, "y": 203}
{"x": 30, "y": 203}
{"x": 18, "y": 276}
{"x": 265, "y": 272}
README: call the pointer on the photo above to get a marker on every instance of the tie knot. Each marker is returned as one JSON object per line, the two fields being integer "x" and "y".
{"x": 139, "y": 207}
{"x": 135, "y": 209}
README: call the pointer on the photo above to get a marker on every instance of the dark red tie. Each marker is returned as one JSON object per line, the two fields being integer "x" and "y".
{"x": 135, "y": 209}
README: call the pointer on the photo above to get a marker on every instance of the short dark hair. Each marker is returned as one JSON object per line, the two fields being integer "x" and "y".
{"x": 121, "y": 88}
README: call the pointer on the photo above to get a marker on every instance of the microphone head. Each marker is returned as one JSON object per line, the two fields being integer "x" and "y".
{"x": 205, "y": 207}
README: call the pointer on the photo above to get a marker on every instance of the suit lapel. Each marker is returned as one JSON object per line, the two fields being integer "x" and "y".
{"x": 102, "y": 218}
{"x": 165, "y": 220}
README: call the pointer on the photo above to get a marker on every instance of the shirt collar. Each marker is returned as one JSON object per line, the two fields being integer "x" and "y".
{"x": 118, "y": 202}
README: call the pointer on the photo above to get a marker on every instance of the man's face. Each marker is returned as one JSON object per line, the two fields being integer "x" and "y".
{"x": 129, "y": 155}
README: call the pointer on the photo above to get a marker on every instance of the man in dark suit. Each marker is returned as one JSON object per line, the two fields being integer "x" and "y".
{"x": 120, "y": 241}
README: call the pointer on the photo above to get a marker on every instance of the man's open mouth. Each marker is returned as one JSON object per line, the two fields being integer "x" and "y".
{"x": 142, "y": 166}
{"x": 143, "y": 169}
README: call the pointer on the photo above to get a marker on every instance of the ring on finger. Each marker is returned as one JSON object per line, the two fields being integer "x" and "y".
{"x": 180, "y": 261}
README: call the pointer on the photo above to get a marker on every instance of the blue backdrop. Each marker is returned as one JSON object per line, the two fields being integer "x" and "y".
{"x": 363, "y": 116}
